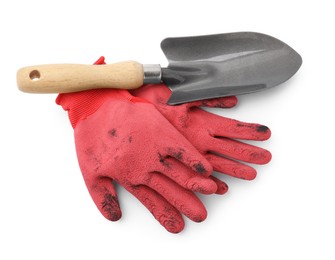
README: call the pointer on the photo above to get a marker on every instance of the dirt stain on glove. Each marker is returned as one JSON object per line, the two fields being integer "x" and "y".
{"x": 109, "y": 205}
{"x": 163, "y": 161}
{"x": 262, "y": 129}
{"x": 199, "y": 167}
{"x": 112, "y": 132}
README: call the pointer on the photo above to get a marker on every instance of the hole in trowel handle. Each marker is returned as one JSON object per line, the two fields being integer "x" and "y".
{"x": 34, "y": 75}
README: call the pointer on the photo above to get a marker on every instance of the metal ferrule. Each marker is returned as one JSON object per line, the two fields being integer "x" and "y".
{"x": 152, "y": 73}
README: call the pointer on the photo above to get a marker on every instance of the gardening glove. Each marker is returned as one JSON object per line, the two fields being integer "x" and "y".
{"x": 212, "y": 135}
{"x": 222, "y": 186}
{"x": 125, "y": 139}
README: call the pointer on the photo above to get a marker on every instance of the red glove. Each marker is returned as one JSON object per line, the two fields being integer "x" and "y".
{"x": 213, "y": 135}
{"x": 125, "y": 139}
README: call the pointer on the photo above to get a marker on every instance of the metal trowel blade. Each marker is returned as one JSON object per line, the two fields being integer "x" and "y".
{"x": 204, "y": 67}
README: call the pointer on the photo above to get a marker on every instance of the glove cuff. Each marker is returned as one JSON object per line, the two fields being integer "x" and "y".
{"x": 82, "y": 104}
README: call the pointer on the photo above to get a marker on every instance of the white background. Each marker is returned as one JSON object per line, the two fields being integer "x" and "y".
{"x": 46, "y": 211}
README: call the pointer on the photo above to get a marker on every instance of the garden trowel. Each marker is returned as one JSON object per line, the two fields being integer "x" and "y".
{"x": 200, "y": 67}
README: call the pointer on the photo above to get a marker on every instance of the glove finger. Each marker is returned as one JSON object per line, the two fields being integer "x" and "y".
{"x": 182, "y": 199}
{"x": 167, "y": 215}
{"x": 231, "y": 128}
{"x": 240, "y": 151}
{"x": 105, "y": 198}
{"x": 222, "y": 186}
{"x": 224, "y": 102}
{"x": 225, "y": 127}
{"x": 231, "y": 167}
{"x": 189, "y": 156}
{"x": 186, "y": 177}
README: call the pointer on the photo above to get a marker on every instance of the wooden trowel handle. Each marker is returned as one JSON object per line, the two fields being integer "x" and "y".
{"x": 64, "y": 78}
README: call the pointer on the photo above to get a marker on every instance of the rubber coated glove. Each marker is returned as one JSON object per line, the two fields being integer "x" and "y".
{"x": 212, "y": 135}
{"x": 125, "y": 139}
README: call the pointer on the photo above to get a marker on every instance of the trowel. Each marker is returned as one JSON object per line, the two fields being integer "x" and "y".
{"x": 200, "y": 67}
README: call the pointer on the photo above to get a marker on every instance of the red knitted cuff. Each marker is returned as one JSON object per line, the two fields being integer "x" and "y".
{"x": 82, "y": 104}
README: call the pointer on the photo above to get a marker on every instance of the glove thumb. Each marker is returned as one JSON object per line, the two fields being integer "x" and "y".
{"x": 105, "y": 198}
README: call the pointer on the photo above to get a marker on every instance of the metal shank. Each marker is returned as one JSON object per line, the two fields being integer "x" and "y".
{"x": 152, "y": 73}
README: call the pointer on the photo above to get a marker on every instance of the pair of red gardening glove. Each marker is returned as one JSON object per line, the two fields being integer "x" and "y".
{"x": 161, "y": 154}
